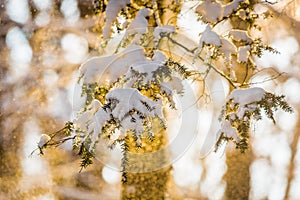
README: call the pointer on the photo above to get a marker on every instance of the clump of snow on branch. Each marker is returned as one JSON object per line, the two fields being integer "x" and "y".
{"x": 82, "y": 121}
{"x": 163, "y": 29}
{"x": 146, "y": 71}
{"x": 43, "y": 140}
{"x": 212, "y": 39}
{"x": 155, "y": 72}
{"x": 209, "y": 37}
{"x": 244, "y": 97}
{"x": 240, "y": 36}
{"x": 109, "y": 68}
{"x": 128, "y": 99}
{"x": 127, "y": 110}
{"x": 243, "y": 53}
{"x": 112, "y": 10}
{"x": 242, "y": 106}
{"x": 139, "y": 25}
{"x": 227, "y": 48}
{"x": 213, "y": 12}
{"x": 159, "y": 56}
{"x": 229, "y": 131}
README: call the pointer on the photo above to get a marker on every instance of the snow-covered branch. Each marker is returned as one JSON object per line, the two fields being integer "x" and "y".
{"x": 242, "y": 106}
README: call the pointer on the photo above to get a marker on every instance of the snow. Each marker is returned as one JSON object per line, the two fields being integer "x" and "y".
{"x": 246, "y": 96}
{"x": 99, "y": 120}
{"x": 127, "y": 106}
{"x": 139, "y": 25}
{"x": 109, "y": 68}
{"x": 145, "y": 73}
{"x": 123, "y": 101}
{"x": 92, "y": 121}
{"x": 246, "y": 100}
{"x": 166, "y": 87}
{"x": 240, "y": 35}
{"x": 163, "y": 29}
{"x": 43, "y": 140}
{"x": 243, "y": 54}
{"x": 188, "y": 23}
{"x": 227, "y": 48}
{"x": 209, "y": 37}
{"x": 129, "y": 99}
{"x": 231, "y": 7}
{"x": 212, "y": 12}
{"x": 112, "y": 10}
{"x": 83, "y": 119}
{"x": 176, "y": 84}
{"x": 228, "y": 131}
{"x": 134, "y": 123}
{"x": 78, "y": 100}
{"x": 159, "y": 56}
{"x": 147, "y": 68}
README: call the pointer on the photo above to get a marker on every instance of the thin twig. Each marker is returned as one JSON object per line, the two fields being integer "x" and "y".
{"x": 202, "y": 59}
{"x": 268, "y": 79}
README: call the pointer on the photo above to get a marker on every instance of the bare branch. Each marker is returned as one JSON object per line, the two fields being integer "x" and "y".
{"x": 268, "y": 79}
{"x": 192, "y": 51}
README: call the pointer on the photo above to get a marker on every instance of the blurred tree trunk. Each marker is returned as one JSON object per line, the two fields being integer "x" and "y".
{"x": 141, "y": 181}
{"x": 292, "y": 166}
{"x": 237, "y": 175}
{"x": 145, "y": 171}
{"x": 15, "y": 111}
{"x": 10, "y": 122}
{"x": 10, "y": 141}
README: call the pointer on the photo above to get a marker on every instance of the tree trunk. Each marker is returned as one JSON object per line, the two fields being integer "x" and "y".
{"x": 10, "y": 122}
{"x": 145, "y": 169}
{"x": 10, "y": 170}
{"x": 292, "y": 166}
{"x": 237, "y": 175}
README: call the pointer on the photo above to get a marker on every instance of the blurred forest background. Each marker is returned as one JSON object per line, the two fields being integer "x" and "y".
{"x": 43, "y": 43}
